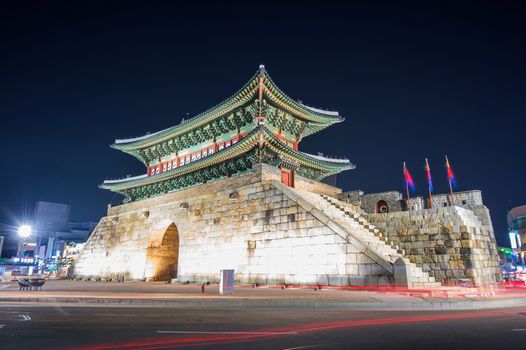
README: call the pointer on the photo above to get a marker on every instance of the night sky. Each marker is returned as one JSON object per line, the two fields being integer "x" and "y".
{"x": 413, "y": 81}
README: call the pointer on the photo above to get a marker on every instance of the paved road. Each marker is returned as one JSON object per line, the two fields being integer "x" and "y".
{"x": 30, "y": 327}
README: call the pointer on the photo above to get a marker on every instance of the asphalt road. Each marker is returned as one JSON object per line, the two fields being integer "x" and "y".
{"x": 66, "y": 327}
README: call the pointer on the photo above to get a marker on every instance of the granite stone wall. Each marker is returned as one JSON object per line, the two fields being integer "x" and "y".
{"x": 392, "y": 198}
{"x": 243, "y": 222}
{"x": 466, "y": 199}
{"x": 450, "y": 243}
{"x": 272, "y": 234}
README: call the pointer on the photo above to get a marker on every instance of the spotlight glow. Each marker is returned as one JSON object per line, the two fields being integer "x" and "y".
{"x": 24, "y": 231}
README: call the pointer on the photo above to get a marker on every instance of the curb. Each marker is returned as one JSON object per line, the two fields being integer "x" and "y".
{"x": 277, "y": 304}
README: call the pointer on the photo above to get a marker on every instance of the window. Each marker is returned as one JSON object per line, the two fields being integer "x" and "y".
{"x": 198, "y": 155}
{"x": 193, "y": 158}
{"x": 174, "y": 164}
{"x": 234, "y": 142}
{"x": 157, "y": 170}
{"x": 211, "y": 151}
{"x": 204, "y": 153}
{"x": 464, "y": 202}
{"x": 228, "y": 144}
{"x": 187, "y": 159}
{"x": 169, "y": 166}
{"x": 445, "y": 204}
{"x": 164, "y": 167}
{"x": 221, "y": 146}
{"x": 182, "y": 161}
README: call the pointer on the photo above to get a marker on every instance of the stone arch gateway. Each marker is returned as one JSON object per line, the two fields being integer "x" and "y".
{"x": 162, "y": 257}
{"x": 283, "y": 226}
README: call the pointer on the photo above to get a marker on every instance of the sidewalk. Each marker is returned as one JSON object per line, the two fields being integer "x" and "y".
{"x": 143, "y": 294}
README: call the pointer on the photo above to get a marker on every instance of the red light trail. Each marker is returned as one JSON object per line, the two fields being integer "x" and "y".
{"x": 201, "y": 338}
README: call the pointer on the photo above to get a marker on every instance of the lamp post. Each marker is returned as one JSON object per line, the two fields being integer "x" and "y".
{"x": 24, "y": 231}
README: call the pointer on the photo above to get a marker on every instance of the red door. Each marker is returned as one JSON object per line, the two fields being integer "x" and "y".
{"x": 287, "y": 177}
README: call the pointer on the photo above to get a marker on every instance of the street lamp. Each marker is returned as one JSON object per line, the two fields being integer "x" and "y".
{"x": 24, "y": 231}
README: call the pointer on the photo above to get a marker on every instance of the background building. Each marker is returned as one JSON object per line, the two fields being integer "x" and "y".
{"x": 517, "y": 233}
{"x": 52, "y": 230}
{"x": 53, "y": 244}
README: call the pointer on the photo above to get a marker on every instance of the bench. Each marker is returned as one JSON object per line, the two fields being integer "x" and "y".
{"x": 31, "y": 283}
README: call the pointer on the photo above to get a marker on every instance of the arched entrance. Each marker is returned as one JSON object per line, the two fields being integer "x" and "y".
{"x": 382, "y": 207}
{"x": 162, "y": 259}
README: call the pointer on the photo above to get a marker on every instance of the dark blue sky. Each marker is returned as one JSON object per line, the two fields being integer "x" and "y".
{"x": 414, "y": 80}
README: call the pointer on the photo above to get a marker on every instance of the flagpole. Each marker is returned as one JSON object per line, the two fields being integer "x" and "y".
{"x": 407, "y": 190}
{"x": 429, "y": 185}
{"x": 449, "y": 180}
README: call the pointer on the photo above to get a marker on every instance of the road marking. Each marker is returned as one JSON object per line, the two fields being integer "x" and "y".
{"x": 25, "y": 317}
{"x": 2, "y": 326}
{"x": 519, "y": 329}
{"x": 61, "y": 311}
{"x": 245, "y": 333}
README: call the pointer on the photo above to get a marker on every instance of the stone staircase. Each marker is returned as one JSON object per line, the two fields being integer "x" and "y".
{"x": 351, "y": 218}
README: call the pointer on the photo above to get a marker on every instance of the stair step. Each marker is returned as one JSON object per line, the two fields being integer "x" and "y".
{"x": 426, "y": 284}
{"x": 352, "y": 218}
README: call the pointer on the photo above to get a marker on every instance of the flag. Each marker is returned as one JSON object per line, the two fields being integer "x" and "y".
{"x": 408, "y": 179}
{"x": 450, "y": 174}
{"x": 428, "y": 175}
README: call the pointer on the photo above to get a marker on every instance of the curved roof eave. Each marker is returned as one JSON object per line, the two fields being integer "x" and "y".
{"x": 334, "y": 116}
{"x": 130, "y": 144}
{"x": 216, "y": 157}
{"x": 323, "y": 163}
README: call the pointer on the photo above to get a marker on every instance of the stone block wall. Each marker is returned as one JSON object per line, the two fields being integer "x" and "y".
{"x": 353, "y": 197}
{"x": 392, "y": 198}
{"x": 260, "y": 232}
{"x": 396, "y": 202}
{"x": 368, "y": 202}
{"x": 466, "y": 199}
{"x": 449, "y": 243}
{"x": 272, "y": 234}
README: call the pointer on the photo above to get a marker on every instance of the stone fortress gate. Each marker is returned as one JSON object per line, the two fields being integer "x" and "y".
{"x": 229, "y": 188}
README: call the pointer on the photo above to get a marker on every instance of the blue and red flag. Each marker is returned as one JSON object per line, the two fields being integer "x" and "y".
{"x": 450, "y": 175}
{"x": 409, "y": 183}
{"x": 428, "y": 175}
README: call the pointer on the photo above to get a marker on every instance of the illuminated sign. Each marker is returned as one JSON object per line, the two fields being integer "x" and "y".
{"x": 514, "y": 238}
